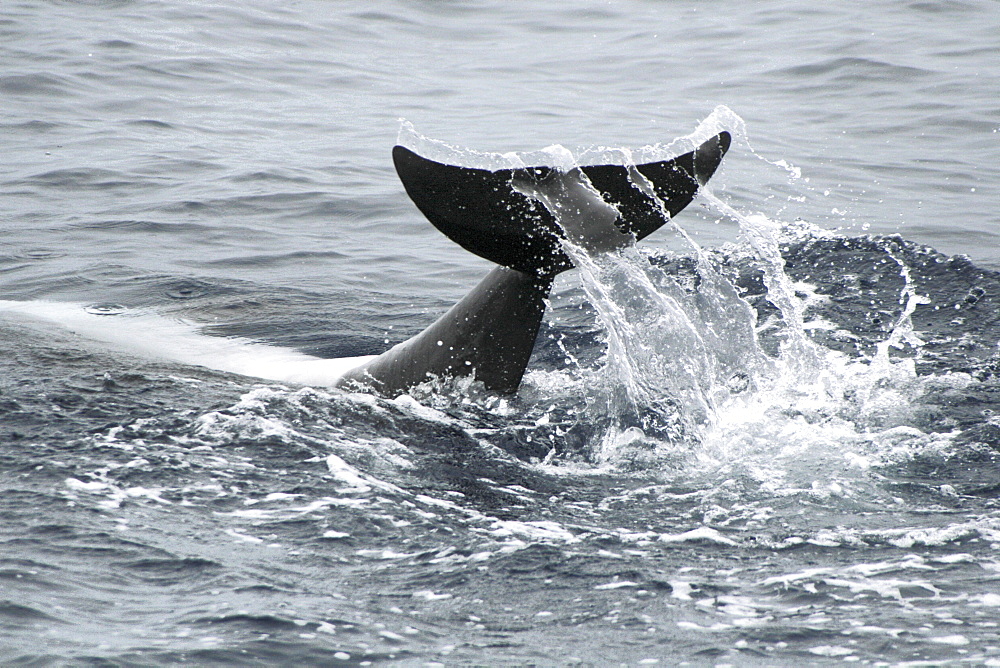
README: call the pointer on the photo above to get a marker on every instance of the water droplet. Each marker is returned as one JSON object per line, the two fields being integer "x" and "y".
{"x": 105, "y": 309}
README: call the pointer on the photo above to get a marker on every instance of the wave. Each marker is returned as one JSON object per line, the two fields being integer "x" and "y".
{"x": 854, "y": 69}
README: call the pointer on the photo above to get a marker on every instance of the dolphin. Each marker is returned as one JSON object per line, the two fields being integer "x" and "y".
{"x": 506, "y": 216}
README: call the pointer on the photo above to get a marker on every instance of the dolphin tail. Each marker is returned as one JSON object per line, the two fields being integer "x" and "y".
{"x": 491, "y": 332}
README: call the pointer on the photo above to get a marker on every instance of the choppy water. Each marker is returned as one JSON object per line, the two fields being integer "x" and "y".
{"x": 665, "y": 487}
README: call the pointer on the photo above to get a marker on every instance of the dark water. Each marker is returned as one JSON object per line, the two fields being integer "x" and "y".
{"x": 679, "y": 479}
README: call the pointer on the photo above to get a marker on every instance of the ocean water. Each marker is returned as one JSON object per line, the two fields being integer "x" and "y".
{"x": 767, "y": 436}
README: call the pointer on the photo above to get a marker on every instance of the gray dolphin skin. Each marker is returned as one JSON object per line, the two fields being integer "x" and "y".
{"x": 490, "y": 333}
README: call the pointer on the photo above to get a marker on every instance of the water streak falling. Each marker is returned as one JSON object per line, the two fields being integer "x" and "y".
{"x": 728, "y": 320}
{"x": 684, "y": 365}
{"x": 658, "y": 370}
{"x": 763, "y": 235}
{"x": 902, "y": 332}
{"x": 675, "y": 352}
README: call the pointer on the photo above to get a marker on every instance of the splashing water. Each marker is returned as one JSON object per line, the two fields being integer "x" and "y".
{"x": 762, "y": 234}
{"x": 658, "y": 373}
{"x": 902, "y": 333}
{"x": 675, "y": 353}
{"x": 685, "y": 385}
{"x": 684, "y": 375}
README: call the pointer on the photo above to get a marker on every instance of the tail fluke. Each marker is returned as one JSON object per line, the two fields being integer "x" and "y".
{"x": 481, "y": 210}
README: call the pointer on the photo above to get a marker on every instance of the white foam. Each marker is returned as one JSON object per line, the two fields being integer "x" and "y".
{"x": 145, "y": 333}
{"x": 114, "y": 495}
{"x": 830, "y": 650}
{"x": 701, "y": 534}
{"x": 428, "y": 595}
{"x": 618, "y": 584}
{"x": 956, "y": 640}
{"x": 541, "y": 530}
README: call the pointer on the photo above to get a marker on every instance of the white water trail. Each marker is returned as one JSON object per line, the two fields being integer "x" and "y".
{"x": 148, "y": 334}
{"x": 902, "y": 332}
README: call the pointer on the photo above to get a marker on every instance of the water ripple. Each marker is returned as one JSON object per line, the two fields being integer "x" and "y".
{"x": 854, "y": 70}
{"x": 47, "y": 85}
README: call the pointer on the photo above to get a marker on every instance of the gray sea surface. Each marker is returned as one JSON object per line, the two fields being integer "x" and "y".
{"x": 777, "y": 445}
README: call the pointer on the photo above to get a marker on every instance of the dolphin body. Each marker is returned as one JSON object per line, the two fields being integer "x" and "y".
{"x": 490, "y": 333}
